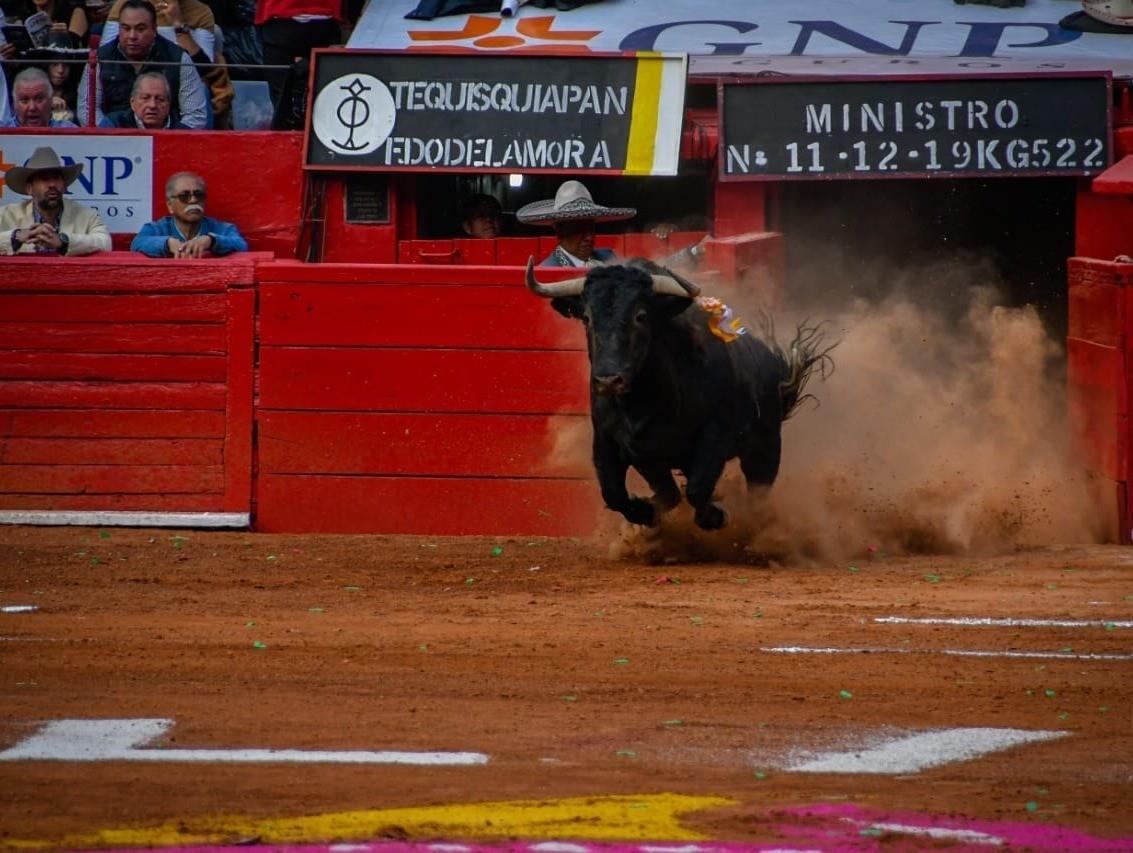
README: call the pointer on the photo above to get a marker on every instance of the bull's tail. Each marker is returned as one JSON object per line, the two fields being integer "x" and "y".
{"x": 808, "y": 353}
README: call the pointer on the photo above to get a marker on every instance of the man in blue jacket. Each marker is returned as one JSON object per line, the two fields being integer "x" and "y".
{"x": 187, "y": 232}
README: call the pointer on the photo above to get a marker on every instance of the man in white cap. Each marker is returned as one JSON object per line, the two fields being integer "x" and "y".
{"x": 1102, "y": 16}
{"x": 574, "y": 216}
{"x": 46, "y": 224}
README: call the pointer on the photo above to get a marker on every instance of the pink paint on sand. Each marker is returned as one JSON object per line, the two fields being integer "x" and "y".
{"x": 831, "y": 828}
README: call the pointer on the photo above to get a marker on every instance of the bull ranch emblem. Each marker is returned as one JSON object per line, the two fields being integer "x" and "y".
{"x": 353, "y": 114}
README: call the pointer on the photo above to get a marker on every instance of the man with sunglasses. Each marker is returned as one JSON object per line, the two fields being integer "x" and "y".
{"x": 187, "y": 232}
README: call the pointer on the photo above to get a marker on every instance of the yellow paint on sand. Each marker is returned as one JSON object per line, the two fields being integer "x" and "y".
{"x": 613, "y": 818}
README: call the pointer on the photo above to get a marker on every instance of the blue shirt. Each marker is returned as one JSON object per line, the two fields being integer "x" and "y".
{"x": 55, "y": 122}
{"x": 153, "y": 239}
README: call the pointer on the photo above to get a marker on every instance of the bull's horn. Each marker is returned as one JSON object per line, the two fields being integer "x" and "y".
{"x": 690, "y": 288}
{"x": 570, "y": 287}
{"x": 669, "y": 287}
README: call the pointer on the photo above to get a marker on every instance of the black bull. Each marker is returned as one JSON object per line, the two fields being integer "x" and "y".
{"x": 667, "y": 394}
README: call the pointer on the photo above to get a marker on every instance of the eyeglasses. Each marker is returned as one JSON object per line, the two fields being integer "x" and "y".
{"x": 189, "y": 195}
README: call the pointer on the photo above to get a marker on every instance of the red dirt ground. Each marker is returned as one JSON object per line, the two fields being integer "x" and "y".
{"x": 508, "y": 646}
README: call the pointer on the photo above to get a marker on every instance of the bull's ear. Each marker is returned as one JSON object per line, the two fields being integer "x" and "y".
{"x": 569, "y": 306}
{"x": 670, "y": 306}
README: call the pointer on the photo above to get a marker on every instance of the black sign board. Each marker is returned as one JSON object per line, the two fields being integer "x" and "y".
{"x": 367, "y": 199}
{"x": 871, "y": 128}
{"x": 492, "y": 113}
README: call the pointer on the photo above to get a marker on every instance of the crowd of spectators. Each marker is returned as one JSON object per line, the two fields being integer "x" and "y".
{"x": 200, "y": 46}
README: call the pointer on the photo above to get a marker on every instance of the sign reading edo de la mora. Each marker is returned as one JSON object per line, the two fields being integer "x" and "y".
{"x": 117, "y": 176}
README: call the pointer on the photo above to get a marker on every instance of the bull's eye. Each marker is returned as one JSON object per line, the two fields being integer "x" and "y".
{"x": 641, "y": 317}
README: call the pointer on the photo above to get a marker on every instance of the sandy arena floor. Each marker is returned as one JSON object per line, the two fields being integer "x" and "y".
{"x": 580, "y": 674}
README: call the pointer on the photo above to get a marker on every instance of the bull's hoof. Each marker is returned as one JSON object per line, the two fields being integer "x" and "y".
{"x": 711, "y": 516}
{"x": 640, "y": 511}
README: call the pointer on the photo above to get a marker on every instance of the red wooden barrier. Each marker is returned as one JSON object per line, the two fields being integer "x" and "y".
{"x": 417, "y": 399}
{"x": 1099, "y": 369}
{"x": 126, "y": 384}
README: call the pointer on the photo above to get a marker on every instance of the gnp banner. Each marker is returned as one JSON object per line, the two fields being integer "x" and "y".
{"x": 117, "y": 176}
{"x": 496, "y": 113}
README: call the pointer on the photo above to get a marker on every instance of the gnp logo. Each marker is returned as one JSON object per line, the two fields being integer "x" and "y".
{"x": 117, "y": 176}
{"x": 524, "y": 35}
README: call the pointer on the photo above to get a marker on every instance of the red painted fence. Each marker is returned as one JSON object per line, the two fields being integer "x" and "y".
{"x": 126, "y": 383}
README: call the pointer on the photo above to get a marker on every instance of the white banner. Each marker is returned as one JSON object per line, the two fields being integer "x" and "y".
{"x": 892, "y": 34}
{"x": 117, "y": 177}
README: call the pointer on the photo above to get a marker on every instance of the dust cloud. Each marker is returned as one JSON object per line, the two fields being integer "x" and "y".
{"x": 942, "y": 430}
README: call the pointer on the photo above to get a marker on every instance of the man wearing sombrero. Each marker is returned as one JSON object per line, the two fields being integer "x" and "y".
{"x": 45, "y": 224}
{"x": 574, "y": 216}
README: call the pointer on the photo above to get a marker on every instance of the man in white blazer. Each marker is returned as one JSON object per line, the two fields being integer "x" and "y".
{"x": 46, "y": 224}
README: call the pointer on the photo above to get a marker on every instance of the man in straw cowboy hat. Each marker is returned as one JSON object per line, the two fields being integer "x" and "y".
{"x": 574, "y": 216}
{"x": 45, "y": 223}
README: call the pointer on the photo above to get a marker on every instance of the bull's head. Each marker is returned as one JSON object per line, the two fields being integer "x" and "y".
{"x": 622, "y": 308}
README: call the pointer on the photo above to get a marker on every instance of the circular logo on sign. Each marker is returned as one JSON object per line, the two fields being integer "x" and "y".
{"x": 353, "y": 114}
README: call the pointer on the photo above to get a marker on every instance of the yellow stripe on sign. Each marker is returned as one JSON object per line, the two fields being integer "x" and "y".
{"x": 653, "y": 817}
{"x": 643, "y": 121}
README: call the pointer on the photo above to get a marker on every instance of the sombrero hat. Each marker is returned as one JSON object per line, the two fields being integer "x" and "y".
{"x": 571, "y": 203}
{"x": 43, "y": 159}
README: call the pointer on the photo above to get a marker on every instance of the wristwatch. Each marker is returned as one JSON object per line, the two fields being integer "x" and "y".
{"x": 64, "y": 244}
{"x": 182, "y": 29}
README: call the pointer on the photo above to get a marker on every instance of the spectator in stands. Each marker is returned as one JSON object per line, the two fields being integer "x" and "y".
{"x": 481, "y": 216}
{"x": 63, "y": 91}
{"x": 190, "y": 23}
{"x": 187, "y": 232}
{"x": 150, "y": 104}
{"x": 574, "y": 216}
{"x": 46, "y": 224}
{"x": 31, "y": 101}
{"x": 138, "y": 48}
{"x": 289, "y": 30}
{"x": 97, "y": 11}
{"x": 68, "y": 18}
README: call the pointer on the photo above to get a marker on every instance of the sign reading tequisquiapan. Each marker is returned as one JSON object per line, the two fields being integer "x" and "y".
{"x": 889, "y": 128}
{"x": 618, "y": 114}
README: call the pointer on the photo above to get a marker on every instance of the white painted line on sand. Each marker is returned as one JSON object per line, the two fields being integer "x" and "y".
{"x": 1004, "y": 623}
{"x": 967, "y": 836}
{"x": 913, "y": 753}
{"x": 962, "y": 653}
{"x": 19, "y": 608}
{"x": 123, "y": 518}
{"x": 120, "y": 740}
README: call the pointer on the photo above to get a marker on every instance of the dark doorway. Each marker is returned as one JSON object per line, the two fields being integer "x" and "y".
{"x": 863, "y": 238}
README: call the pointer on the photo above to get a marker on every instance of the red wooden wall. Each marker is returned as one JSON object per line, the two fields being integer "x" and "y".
{"x": 1099, "y": 371}
{"x": 410, "y": 399}
{"x": 254, "y": 178}
{"x": 126, "y": 383}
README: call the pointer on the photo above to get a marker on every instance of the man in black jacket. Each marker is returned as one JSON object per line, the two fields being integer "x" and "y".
{"x": 138, "y": 49}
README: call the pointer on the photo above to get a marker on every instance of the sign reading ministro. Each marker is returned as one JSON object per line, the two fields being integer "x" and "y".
{"x": 384, "y": 111}
{"x": 889, "y": 128}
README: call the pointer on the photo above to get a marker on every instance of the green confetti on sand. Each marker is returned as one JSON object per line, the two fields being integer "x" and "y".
{"x": 249, "y": 624}
{"x": 1031, "y": 806}
{"x": 497, "y": 551}
{"x": 469, "y": 581}
{"x": 271, "y": 557}
{"x": 177, "y": 541}
{"x": 352, "y": 588}
{"x": 423, "y": 647}
{"x": 570, "y": 698}
{"x": 742, "y": 580}
{"x": 853, "y": 569}
{"x": 94, "y": 561}
{"x": 845, "y": 694}
{"x": 259, "y": 645}
{"x": 1066, "y": 649}
{"x": 102, "y": 534}
{"x": 316, "y": 610}
{"x": 1110, "y": 626}
{"x": 871, "y": 832}
{"x": 1063, "y": 715}
{"x": 696, "y": 620}
{"x": 673, "y": 723}
{"x": 759, "y": 774}
{"x": 1050, "y": 694}
{"x": 621, "y": 661}
{"x": 626, "y": 753}
{"x": 757, "y": 614}
{"x": 932, "y": 578}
